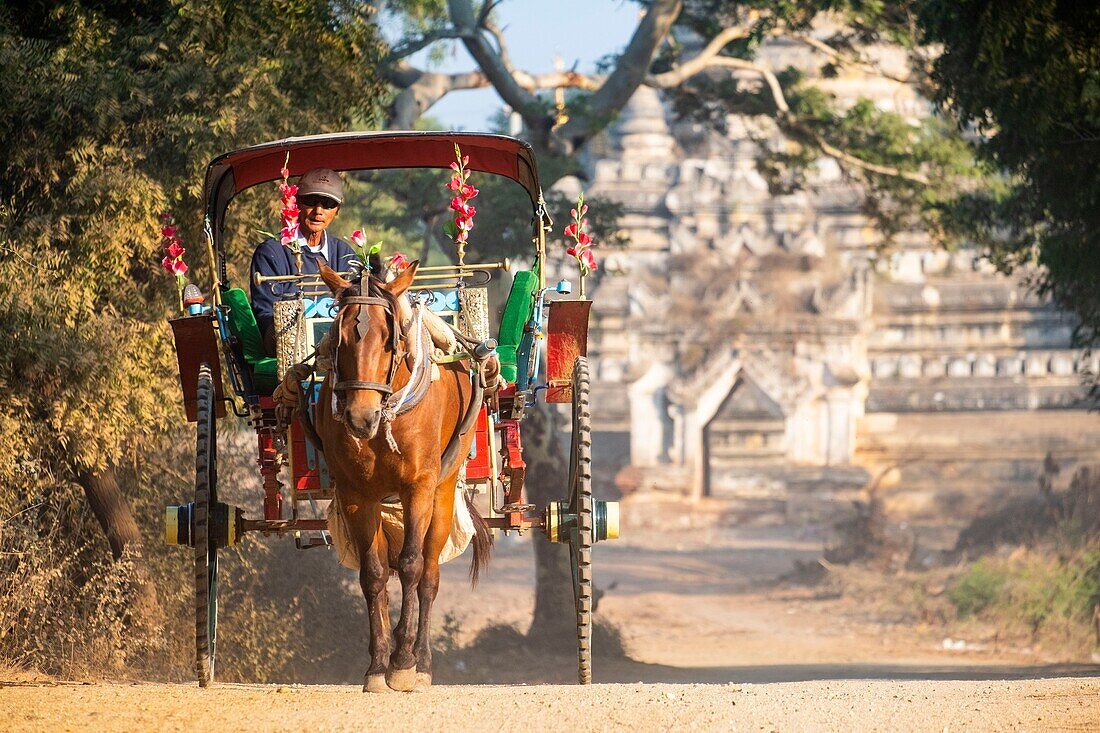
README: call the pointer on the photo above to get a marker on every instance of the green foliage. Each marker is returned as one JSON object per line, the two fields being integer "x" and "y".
{"x": 1026, "y": 77}
{"x": 110, "y": 116}
{"x": 976, "y": 590}
{"x": 1030, "y": 589}
{"x": 918, "y": 169}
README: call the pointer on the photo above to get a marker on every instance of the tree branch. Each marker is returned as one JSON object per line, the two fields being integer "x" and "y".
{"x": 848, "y": 158}
{"x": 421, "y": 89}
{"x": 492, "y": 64}
{"x": 682, "y": 72}
{"x": 785, "y": 119}
{"x": 841, "y": 59}
{"x": 411, "y": 46}
{"x": 629, "y": 73}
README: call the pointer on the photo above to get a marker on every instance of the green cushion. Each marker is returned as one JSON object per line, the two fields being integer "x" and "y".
{"x": 263, "y": 375}
{"x": 517, "y": 312}
{"x": 242, "y": 322}
{"x": 243, "y": 325}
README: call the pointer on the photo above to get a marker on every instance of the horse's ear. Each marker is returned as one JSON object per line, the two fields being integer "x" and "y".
{"x": 401, "y": 283}
{"x": 332, "y": 278}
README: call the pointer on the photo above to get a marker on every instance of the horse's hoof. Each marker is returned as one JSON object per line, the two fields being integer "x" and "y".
{"x": 376, "y": 683}
{"x": 423, "y": 681}
{"x": 402, "y": 680}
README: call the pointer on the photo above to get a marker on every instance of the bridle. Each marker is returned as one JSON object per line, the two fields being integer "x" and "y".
{"x": 362, "y": 324}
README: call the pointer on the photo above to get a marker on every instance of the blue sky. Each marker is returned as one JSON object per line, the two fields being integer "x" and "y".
{"x": 579, "y": 31}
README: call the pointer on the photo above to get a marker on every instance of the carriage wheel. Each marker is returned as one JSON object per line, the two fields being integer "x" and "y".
{"x": 206, "y": 551}
{"x": 580, "y": 506}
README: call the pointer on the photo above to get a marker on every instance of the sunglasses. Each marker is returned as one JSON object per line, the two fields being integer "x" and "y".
{"x": 322, "y": 202}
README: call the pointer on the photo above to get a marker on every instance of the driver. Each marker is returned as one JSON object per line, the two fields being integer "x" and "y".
{"x": 320, "y": 193}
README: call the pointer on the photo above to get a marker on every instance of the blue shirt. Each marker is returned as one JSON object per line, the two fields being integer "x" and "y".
{"x": 272, "y": 258}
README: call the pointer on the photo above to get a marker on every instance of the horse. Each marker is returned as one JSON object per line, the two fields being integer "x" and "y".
{"x": 377, "y": 450}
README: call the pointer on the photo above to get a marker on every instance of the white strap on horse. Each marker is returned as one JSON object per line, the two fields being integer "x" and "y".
{"x": 414, "y": 390}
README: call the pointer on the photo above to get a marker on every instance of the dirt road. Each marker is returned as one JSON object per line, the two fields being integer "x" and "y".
{"x": 872, "y": 705}
{"x": 710, "y": 642}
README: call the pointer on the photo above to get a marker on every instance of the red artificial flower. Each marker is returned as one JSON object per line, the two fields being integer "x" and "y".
{"x": 454, "y": 184}
{"x": 175, "y": 249}
{"x": 583, "y": 239}
{"x": 571, "y": 231}
{"x": 168, "y": 232}
{"x": 463, "y": 236}
{"x": 176, "y": 267}
{"x": 454, "y": 167}
{"x": 571, "y": 251}
{"x": 588, "y": 260}
{"x": 469, "y": 191}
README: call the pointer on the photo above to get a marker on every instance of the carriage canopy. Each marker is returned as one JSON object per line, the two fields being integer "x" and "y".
{"x": 230, "y": 173}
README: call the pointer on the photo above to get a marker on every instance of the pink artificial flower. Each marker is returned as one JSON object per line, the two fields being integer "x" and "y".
{"x": 583, "y": 239}
{"x": 454, "y": 167}
{"x": 469, "y": 191}
{"x": 589, "y": 260}
{"x": 463, "y": 236}
{"x": 399, "y": 262}
{"x": 175, "y": 249}
{"x": 570, "y": 231}
{"x": 458, "y": 204}
{"x": 465, "y": 160}
{"x": 285, "y": 172}
{"x": 358, "y": 238}
{"x": 454, "y": 184}
{"x": 464, "y": 223}
{"x": 168, "y": 232}
{"x": 287, "y": 190}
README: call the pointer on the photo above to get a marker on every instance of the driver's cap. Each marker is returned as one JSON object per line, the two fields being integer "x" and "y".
{"x": 321, "y": 182}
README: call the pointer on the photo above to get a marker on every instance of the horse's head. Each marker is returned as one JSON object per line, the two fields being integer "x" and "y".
{"x": 368, "y": 345}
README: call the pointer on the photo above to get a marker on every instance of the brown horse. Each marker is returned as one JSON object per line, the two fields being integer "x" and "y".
{"x": 416, "y": 457}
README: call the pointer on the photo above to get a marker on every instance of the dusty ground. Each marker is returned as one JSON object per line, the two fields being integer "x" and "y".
{"x": 712, "y": 642}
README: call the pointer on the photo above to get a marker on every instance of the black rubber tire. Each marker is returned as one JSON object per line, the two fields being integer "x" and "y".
{"x": 580, "y": 504}
{"x": 206, "y": 551}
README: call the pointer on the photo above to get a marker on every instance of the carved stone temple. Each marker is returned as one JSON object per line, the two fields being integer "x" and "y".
{"x": 761, "y": 348}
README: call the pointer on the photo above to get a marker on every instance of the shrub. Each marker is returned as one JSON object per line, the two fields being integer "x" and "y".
{"x": 976, "y": 589}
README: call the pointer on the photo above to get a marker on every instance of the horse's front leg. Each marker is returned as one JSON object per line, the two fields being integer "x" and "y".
{"x": 373, "y": 572}
{"x": 417, "y": 505}
{"x": 438, "y": 533}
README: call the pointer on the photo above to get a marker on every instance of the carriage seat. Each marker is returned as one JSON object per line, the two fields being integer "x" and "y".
{"x": 242, "y": 322}
{"x": 517, "y": 312}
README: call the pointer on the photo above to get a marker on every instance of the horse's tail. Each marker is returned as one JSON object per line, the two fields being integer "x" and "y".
{"x": 482, "y": 541}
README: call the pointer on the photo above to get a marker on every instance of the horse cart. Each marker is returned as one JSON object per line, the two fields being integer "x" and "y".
{"x": 540, "y": 342}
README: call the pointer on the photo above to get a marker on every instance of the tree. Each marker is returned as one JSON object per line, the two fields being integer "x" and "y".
{"x": 1026, "y": 78}
{"x": 111, "y": 111}
{"x": 705, "y": 55}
